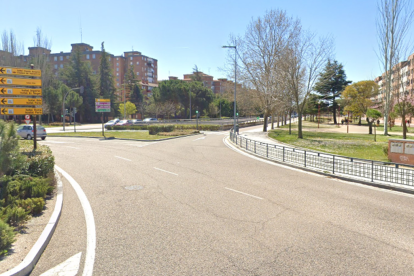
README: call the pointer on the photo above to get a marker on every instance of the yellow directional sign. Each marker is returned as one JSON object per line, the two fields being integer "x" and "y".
{"x": 20, "y": 91}
{"x": 21, "y": 101}
{"x": 24, "y": 82}
{"x": 20, "y": 72}
{"x": 21, "y": 111}
{"x": 103, "y": 100}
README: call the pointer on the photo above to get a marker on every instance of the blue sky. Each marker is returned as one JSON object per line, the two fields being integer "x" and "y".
{"x": 181, "y": 34}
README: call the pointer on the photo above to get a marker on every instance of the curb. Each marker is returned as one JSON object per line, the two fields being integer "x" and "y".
{"x": 126, "y": 139}
{"x": 29, "y": 262}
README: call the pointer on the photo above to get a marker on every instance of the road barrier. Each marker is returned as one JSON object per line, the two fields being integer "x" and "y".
{"x": 361, "y": 169}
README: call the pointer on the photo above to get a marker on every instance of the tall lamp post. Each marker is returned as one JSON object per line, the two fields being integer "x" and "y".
{"x": 235, "y": 82}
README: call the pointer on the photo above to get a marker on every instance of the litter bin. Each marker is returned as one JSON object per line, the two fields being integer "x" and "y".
{"x": 237, "y": 129}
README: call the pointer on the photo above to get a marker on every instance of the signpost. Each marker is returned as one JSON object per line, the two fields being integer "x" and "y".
{"x": 10, "y": 87}
{"x": 102, "y": 105}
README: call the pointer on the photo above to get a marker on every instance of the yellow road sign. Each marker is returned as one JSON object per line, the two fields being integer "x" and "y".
{"x": 21, "y": 111}
{"x": 20, "y": 91}
{"x": 21, "y": 101}
{"x": 24, "y": 82}
{"x": 103, "y": 100}
{"x": 20, "y": 72}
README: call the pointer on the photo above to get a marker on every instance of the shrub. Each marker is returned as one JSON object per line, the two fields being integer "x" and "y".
{"x": 32, "y": 205}
{"x": 10, "y": 157}
{"x": 155, "y": 129}
{"x": 40, "y": 163}
{"x": 6, "y": 237}
{"x": 14, "y": 215}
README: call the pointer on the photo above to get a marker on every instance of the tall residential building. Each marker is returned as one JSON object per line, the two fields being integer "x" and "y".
{"x": 402, "y": 80}
{"x": 145, "y": 67}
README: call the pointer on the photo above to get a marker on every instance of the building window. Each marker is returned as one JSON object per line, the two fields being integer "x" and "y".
{"x": 93, "y": 56}
{"x": 55, "y": 58}
{"x": 117, "y": 84}
{"x": 87, "y": 56}
{"x": 61, "y": 66}
{"x": 131, "y": 62}
{"x": 137, "y": 73}
{"x": 117, "y": 58}
{"x": 56, "y": 66}
{"x": 117, "y": 69}
{"x": 117, "y": 74}
{"x": 61, "y": 58}
{"x": 109, "y": 58}
{"x": 137, "y": 62}
{"x": 130, "y": 58}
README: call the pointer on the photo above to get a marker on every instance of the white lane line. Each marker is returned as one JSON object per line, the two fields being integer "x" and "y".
{"x": 90, "y": 224}
{"x": 165, "y": 171}
{"x": 123, "y": 158}
{"x": 202, "y": 138}
{"x": 242, "y": 193}
{"x": 72, "y": 147}
{"x": 69, "y": 267}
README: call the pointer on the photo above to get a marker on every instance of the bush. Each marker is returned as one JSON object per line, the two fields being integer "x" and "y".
{"x": 155, "y": 129}
{"x": 143, "y": 127}
{"x": 40, "y": 163}
{"x": 14, "y": 215}
{"x": 6, "y": 237}
{"x": 32, "y": 205}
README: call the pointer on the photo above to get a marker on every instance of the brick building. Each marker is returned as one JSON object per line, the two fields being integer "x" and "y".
{"x": 145, "y": 67}
{"x": 218, "y": 86}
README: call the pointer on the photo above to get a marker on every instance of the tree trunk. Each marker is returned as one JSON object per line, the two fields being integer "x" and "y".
{"x": 265, "y": 116}
{"x": 290, "y": 123}
{"x": 273, "y": 121}
{"x": 300, "y": 135}
{"x": 370, "y": 125}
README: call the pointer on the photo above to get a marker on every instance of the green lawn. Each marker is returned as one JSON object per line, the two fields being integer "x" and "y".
{"x": 139, "y": 135}
{"x": 351, "y": 145}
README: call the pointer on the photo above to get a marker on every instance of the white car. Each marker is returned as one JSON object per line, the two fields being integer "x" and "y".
{"x": 111, "y": 122}
{"x": 27, "y": 132}
{"x": 150, "y": 119}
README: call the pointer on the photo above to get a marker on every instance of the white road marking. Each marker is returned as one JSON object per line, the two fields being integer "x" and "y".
{"x": 71, "y": 147}
{"x": 56, "y": 142}
{"x": 242, "y": 193}
{"x": 69, "y": 267}
{"x": 123, "y": 158}
{"x": 202, "y": 138}
{"x": 90, "y": 224}
{"x": 165, "y": 171}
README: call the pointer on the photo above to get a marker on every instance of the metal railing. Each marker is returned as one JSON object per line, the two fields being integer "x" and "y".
{"x": 361, "y": 169}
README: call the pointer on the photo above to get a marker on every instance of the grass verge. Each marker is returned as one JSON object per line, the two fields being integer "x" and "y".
{"x": 350, "y": 145}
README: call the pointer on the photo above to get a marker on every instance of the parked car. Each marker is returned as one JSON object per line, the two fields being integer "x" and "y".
{"x": 124, "y": 123}
{"x": 150, "y": 119}
{"x": 111, "y": 122}
{"x": 27, "y": 132}
{"x": 136, "y": 121}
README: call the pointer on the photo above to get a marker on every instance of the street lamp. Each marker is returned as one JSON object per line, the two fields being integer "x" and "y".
{"x": 235, "y": 82}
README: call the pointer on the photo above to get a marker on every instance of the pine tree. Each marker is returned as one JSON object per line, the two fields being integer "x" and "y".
{"x": 331, "y": 82}
{"x": 106, "y": 82}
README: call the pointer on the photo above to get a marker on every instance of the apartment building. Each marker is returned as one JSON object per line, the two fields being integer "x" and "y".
{"x": 145, "y": 67}
{"x": 402, "y": 80}
{"x": 218, "y": 86}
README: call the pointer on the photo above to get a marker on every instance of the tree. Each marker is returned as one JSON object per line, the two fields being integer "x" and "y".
{"x": 261, "y": 51}
{"x": 372, "y": 116}
{"x": 303, "y": 62}
{"x": 357, "y": 97}
{"x": 10, "y": 157}
{"x": 331, "y": 83}
{"x": 130, "y": 108}
{"x": 395, "y": 17}
{"x": 404, "y": 109}
{"x": 73, "y": 100}
{"x": 52, "y": 100}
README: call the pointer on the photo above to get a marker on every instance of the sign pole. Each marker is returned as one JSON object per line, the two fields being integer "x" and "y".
{"x": 34, "y": 125}
{"x": 103, "y": 134}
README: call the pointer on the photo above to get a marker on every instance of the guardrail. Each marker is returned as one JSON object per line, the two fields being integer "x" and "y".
{"x": 361, "y": 169}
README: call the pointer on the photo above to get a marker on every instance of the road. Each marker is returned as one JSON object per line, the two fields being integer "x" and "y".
{"x": 193, "y": 206}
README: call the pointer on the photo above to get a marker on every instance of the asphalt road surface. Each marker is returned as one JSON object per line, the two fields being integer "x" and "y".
{"x": 193, "y": 206}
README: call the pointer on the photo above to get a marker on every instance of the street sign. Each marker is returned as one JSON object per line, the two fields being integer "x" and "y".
{"x": 21, "y": 101}
{"x": 17, "y": 81}
{"x": 27, "y": 121}
{"x": 102, "y": 105}
{"x": 20, "y": 111}
{"x": 20, "y": 91}
{"x": 20, "y": 72}
{"x": 27, "y": 117}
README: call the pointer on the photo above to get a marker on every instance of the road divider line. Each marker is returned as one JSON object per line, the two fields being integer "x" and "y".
{"x": 123, "y": 158}
{"x": 242, "y": 193}
{"x": 165, "y": 171}
{"x": 202, "y": 138}
{"x": 72, "y": 147}
{"x": 90, "y": 224}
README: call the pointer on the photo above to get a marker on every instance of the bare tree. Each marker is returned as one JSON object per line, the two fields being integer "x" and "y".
{"x": 303, "y": 61}
{"x": 261, "y": 50}
{"x": 11, "y": 50}
{"x": 393, "y": 26}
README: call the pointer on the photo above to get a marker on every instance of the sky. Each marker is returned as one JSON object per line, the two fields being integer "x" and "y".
{"x": 183, "y": 34}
